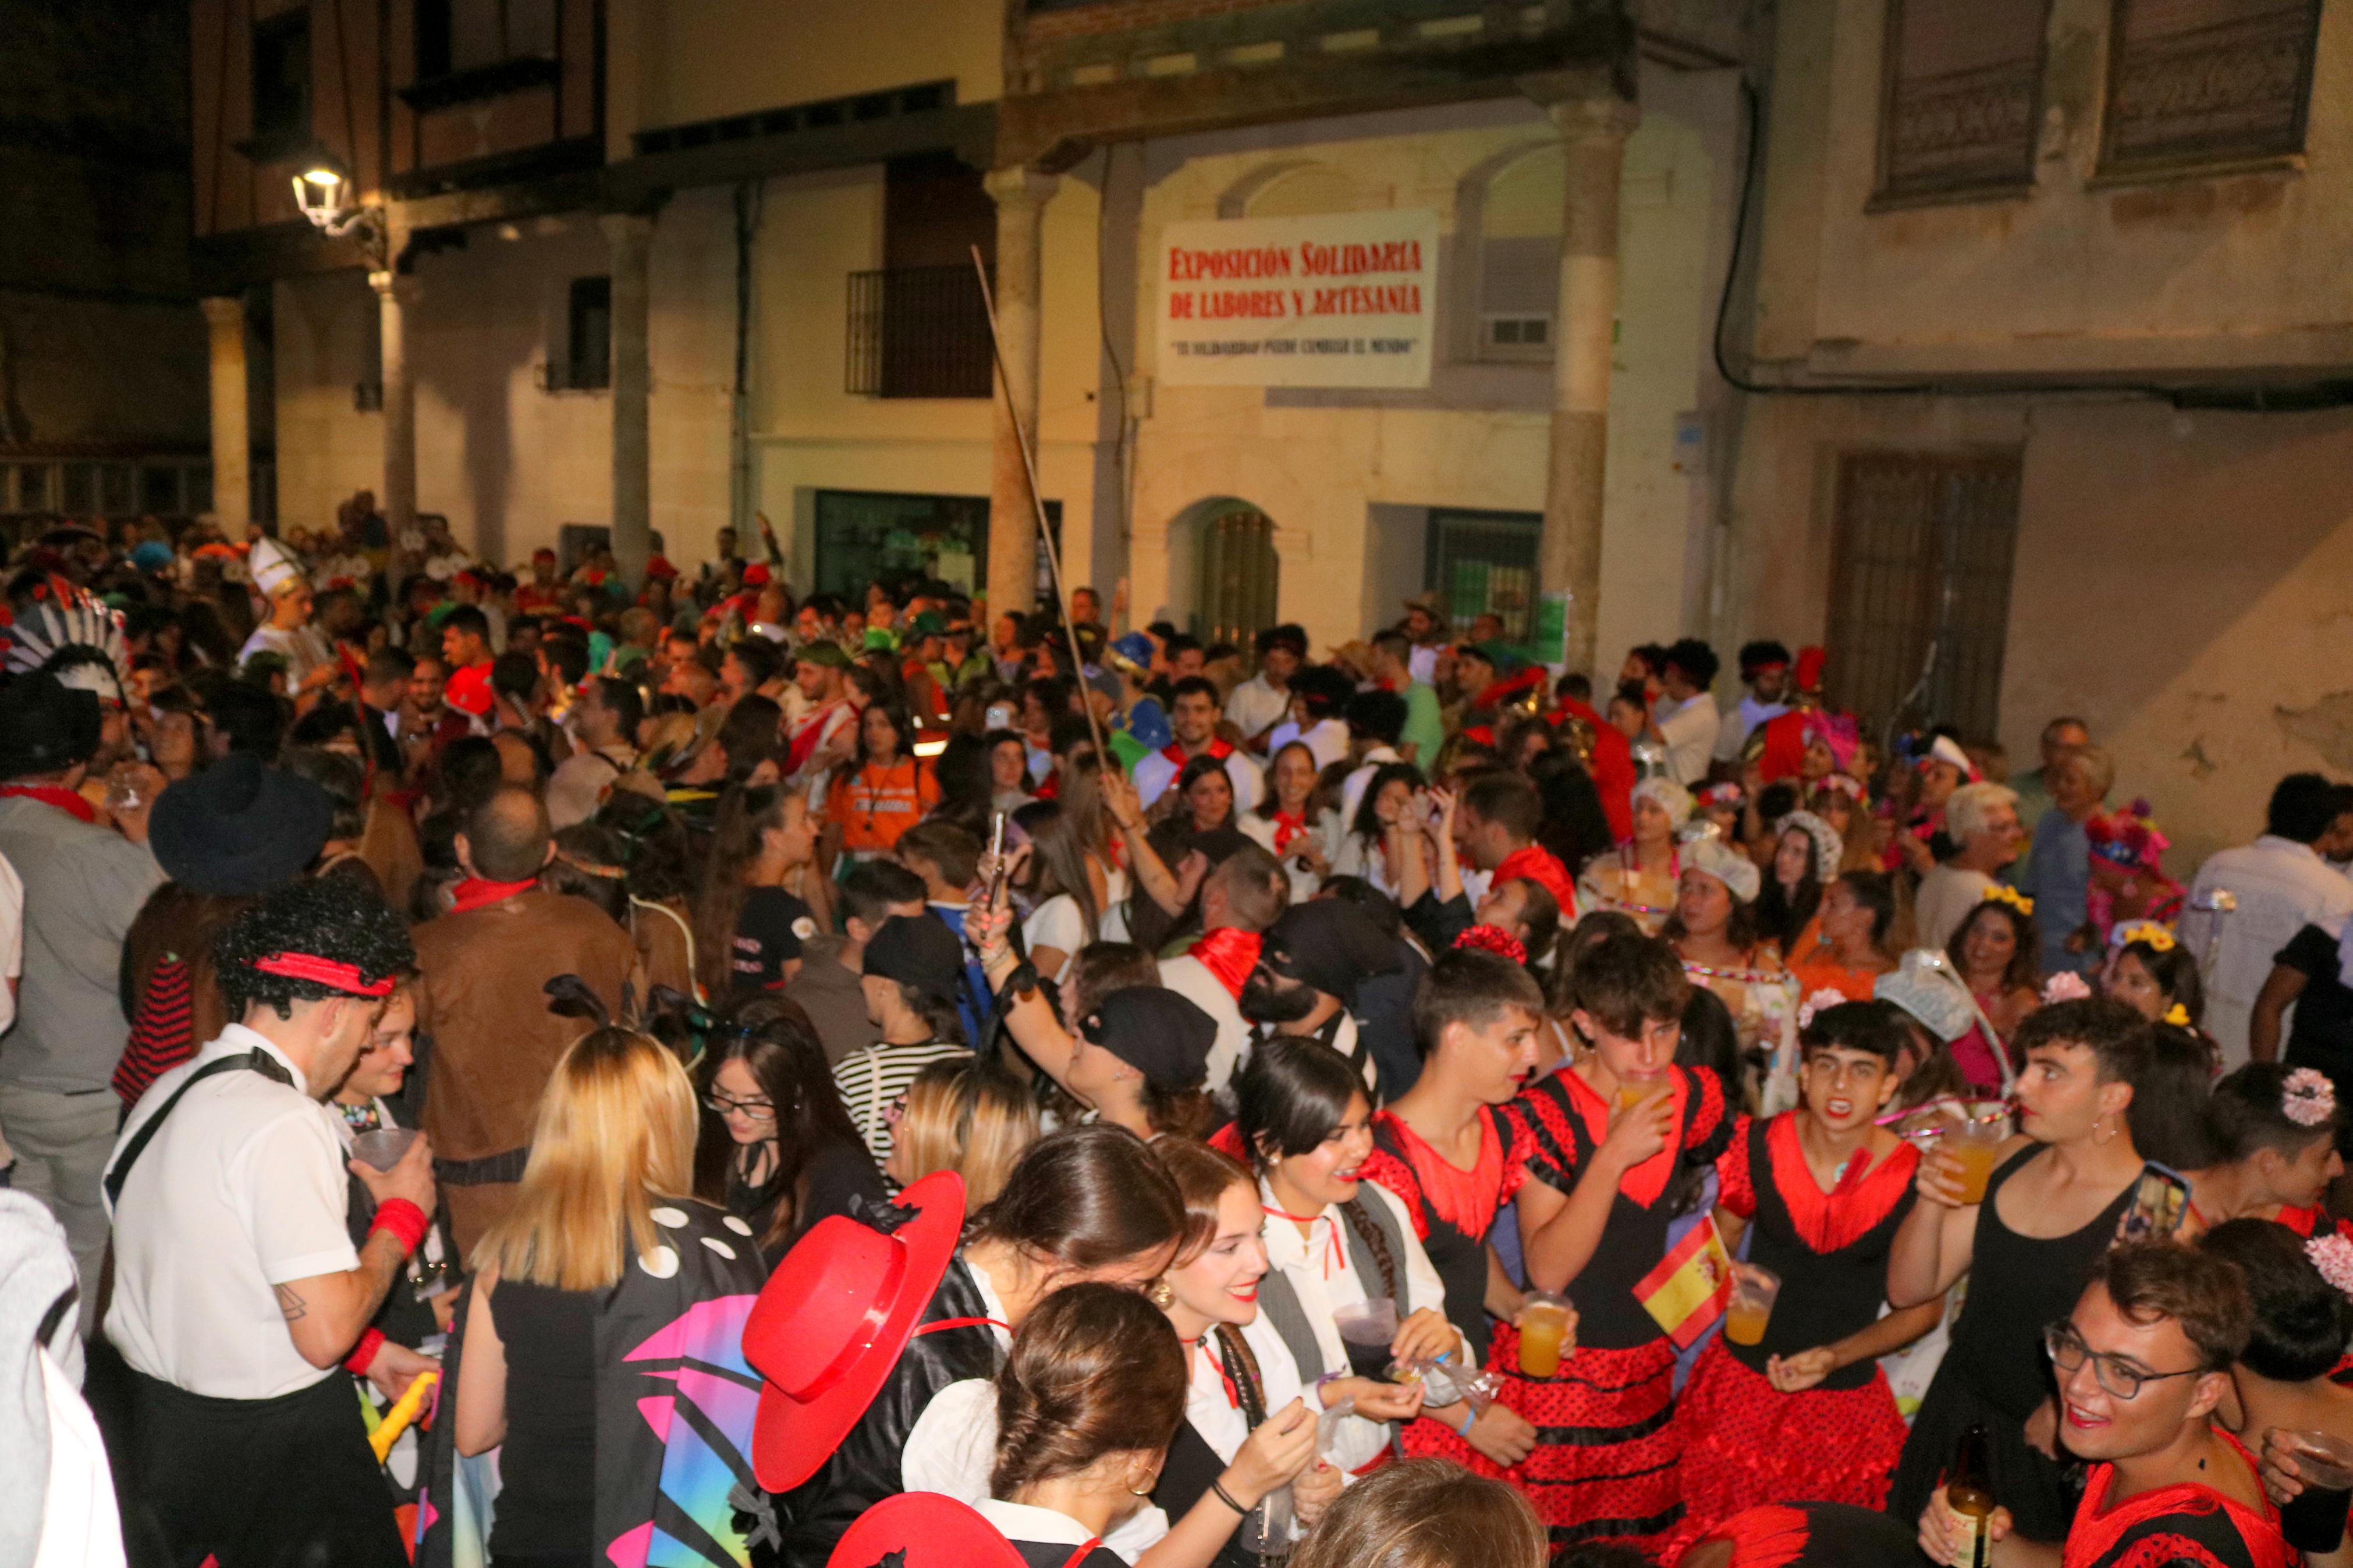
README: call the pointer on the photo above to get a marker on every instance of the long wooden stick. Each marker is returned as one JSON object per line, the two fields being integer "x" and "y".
{"x": 1038, "y": 507}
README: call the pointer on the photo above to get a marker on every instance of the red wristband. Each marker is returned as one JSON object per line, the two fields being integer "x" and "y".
{"x": 365, "y": 1352}
{"x": 404, "y": 1219}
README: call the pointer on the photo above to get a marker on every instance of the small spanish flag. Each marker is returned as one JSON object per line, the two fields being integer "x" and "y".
{"x": 1691, "y": 1287}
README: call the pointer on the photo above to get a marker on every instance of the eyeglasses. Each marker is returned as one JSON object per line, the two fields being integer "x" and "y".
{"x": 755, "y": 1110}
{"x": 2119, "y": 1377}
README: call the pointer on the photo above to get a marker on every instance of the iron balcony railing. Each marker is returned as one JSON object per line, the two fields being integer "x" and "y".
{"x": 918, "y": 332}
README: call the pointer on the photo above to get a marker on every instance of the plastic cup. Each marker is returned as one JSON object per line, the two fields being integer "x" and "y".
{"x": 1267, "y": 1530}
{"x": 1544, "y": 1324}
{"x": 1367, "y": 1329}
{"x": 384, "y": 1146}
{"x": 2314, "y": 1519}
{"x": 1977, "y": 1143}
{"x": 1753, "y": 1293}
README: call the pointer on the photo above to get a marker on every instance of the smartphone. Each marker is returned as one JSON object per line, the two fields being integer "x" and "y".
{"x": 997, "y": 849}
{"x": 999, "y": 716}
{"x": 2159, "y": 1200}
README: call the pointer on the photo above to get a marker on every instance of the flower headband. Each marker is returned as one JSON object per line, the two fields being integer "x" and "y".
{"x": 2064, "y": 986}
{"x": 2333, "y": 1255}
{"x": 1821, "y": 1001}
{"x": 2307, "y": 1097}
{"x": 1846, "y": 785}
{"x": 1495, "y": 940}
{"x": 1721, "y": 794}
{"x": 2148, "y": 933}
{"x": 1998, "y": 894}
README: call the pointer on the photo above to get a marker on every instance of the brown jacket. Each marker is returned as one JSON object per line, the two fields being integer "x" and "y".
{"x": 494, "y": 1042}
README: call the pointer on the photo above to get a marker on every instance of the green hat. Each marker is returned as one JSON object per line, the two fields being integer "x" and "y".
{"x": 931, "y": 624}
{"x": 879, "y": 638}
{"x": 824, "y": 655}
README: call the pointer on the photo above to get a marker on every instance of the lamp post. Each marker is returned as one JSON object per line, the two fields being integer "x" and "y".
{"x": 323, "y": 191}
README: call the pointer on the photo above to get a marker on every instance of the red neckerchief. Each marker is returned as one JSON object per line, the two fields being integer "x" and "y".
{"x": 1230, "y": 955}
{"x": 1643, "y": 1183}
{"x": 1541, "y": 867}
{"x": 65, "y": 800}
{"x": 1174, "y": 752}
{"x": 1218, "y": 1365}
{"x": 1288, "y": 826}
{"x": 475, "y": 892}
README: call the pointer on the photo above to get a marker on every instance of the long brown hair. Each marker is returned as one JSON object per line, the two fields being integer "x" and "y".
{"x": 615, "y": 1131}
{"x": 746, "y": 812}
{"x": 969, "y": 1116}
{"x": 1094, "y": 1370}
{"x": 774, "y": 1041}
{"x": 1059, "y": 853}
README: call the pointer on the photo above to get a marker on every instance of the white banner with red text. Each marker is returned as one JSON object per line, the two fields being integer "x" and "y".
{"x": 1339, "y": 300}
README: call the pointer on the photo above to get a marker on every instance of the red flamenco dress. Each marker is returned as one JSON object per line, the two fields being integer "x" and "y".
{"x": 1745, "y": 1442}
{"x": 1604, "y": 1464}
{"x": 1453, "y": 1210}
{"x": 2180, "y": 1526}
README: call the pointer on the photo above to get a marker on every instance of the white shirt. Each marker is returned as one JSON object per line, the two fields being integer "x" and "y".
{"x": 12, "y": 939}
{"x": 1327, "y": 742}
{"x": 79, "y": 1527}
{"x": 1321, "y": 1266}
{"x": 2281, "y": 887}
{"x": 1421, "y": 662}
{"x": 241, "y": 1190}
{"x": 1352, "y": 788}
{"x": 1216, "y": 1418}
{"x": 1155, "y": 773}
{"x": 1019, "y": 1522}
{"x": 1191, "y": 979}
{"x": 1255, "y": 706}
{"x": 1689, "y": 729}
{"x": 305, "y": 648}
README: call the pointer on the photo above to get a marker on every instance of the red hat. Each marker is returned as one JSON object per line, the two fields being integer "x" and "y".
{"x": 1810, "y": 659}
{"x": 831, "y": 1321}
{"x": 756, "y": 576}
{"x": 658, "y": 567}
{"x": 924, "y": 1530}
{"x": 468, "y": 691}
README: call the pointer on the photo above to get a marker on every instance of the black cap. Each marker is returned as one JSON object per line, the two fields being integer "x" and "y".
{"x": 1331, "y": 945}
{"x": 1160, "y": 1034}
{"x": 45, "y": 726}
{"x": 239, "y": 827}
{"x": 918, "y": 951}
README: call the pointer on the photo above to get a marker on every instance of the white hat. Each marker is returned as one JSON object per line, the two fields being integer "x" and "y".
{"x": 1668, "y": 797}
{"x": 80, "y": 641}
{"x": 274, "y": 571}
{"x": 1925, "y": 987}
{"x": 1829, "y": 848}
{"x": 1729, "y": 867}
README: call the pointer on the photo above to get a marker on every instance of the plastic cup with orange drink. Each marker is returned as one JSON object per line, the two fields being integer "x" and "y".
{"x": 1544, "y": 1327}
{"x": 1976, "y": 1143}
{"x": 1754, "y": 1290}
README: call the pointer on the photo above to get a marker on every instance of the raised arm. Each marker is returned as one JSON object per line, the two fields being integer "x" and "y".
{"x": 1028, "y": 1016}
{"x": 1152, "y": 873}
{"x": 1561, "y": 1236}
{"x": 1932, "y": 1245}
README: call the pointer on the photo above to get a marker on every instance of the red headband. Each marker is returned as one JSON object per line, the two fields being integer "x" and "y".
{"x": 344, "y": 977}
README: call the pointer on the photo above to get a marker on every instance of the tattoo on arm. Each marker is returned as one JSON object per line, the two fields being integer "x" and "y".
{"x": 290, "y": 1304}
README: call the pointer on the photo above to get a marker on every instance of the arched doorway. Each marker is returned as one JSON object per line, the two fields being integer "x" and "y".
{"x": 1237, "y": 570}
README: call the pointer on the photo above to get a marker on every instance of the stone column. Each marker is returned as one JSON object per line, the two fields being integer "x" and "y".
{"x": 1021, "y": 195}
{"x": 1585, "y": 324}
{"x": 232, "y": 437}
{"x": 632, "y": 238}
{"x": 394, "y": 292}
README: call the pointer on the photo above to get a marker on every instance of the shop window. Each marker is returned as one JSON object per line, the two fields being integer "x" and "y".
{"x": 2200, "y": 83}
{"x": 1961, "y": 98}
{"x": 872, "y": 536}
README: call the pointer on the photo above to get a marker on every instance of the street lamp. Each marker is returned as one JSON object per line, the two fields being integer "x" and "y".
{"x": 322, "y": 190}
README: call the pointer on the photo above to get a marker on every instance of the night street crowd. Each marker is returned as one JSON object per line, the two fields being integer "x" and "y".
{"x": 568, "y": 1066}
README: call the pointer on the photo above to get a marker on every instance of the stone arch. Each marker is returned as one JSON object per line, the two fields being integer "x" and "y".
{"x": 1224, "y": 568}
{"x": 1291, "y": 188}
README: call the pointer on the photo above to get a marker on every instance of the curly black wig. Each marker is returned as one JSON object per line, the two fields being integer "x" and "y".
{"x": 327, "y": 918}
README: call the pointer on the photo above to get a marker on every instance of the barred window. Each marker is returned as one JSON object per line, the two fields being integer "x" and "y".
{"x": 1960, "y": 99}
{"x": 2195, "y": 83}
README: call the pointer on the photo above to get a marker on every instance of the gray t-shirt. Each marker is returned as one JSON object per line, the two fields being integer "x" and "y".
{"x": 84, "y": 884}
{"x": 833, "y": 999}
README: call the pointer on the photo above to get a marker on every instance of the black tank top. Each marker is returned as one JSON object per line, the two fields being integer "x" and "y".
{"x": 2019, "y": 1285}
{"x": 547, "y": 1467}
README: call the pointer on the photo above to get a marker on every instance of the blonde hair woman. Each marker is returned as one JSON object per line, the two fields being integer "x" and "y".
{"x": 602, "y": 1247}
{"x": 967, "y": 1116}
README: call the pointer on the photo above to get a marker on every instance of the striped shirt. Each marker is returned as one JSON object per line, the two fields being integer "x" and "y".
{"x": 873, "y": 1079}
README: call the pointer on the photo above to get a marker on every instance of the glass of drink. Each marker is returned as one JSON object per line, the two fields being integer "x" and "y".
{"x": 2314, "y": 1519}
{"x": 1366, "y": 1329}
{"x": 1753, "y": 1293}
{"x": 1632, "y": 1093}
{"x": 1544, "y": 1325}
{"x": 1975, "y": 1143}
{"x": 383, "y": 1146}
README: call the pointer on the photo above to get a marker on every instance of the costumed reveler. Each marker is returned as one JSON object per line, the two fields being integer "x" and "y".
{"x": 1806, "y": 1411}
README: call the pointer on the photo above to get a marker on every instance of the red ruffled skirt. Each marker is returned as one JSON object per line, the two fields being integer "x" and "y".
{"x": 1746, "y": 1443}
{"x": 1604, "y": 1467}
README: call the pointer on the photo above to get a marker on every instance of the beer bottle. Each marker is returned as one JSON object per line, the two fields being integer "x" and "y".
{"x": 1968, "y": 1493}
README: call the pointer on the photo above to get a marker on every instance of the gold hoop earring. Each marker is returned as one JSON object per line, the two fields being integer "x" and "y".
{"x": 1139, "y": 1492}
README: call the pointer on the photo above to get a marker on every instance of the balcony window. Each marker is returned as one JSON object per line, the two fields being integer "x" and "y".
{"x": 1961, "y": 98}
{"x": 2196, "y": 84}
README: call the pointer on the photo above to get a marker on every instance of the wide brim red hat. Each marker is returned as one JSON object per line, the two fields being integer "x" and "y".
{"x": 930, "y": 1530}
{"x": 833, "y": 1318}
